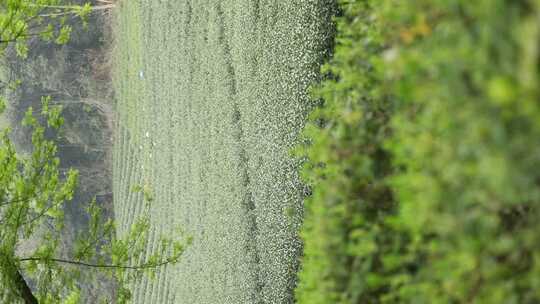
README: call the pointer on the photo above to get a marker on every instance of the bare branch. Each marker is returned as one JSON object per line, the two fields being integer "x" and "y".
{"x": 78, "y": 263}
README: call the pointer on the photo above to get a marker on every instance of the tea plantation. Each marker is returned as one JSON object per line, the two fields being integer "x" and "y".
{"x": 211, "y": 96}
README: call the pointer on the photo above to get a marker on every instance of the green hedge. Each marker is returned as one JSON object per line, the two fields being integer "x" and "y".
{"x": 425, "y": 156}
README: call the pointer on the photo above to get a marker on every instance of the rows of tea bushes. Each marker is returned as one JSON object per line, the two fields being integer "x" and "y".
{"x": 425, "y": 156}
{"x": 211, "y": 95}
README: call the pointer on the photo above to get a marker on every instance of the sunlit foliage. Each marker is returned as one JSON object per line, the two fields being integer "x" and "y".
{"x": 21, "y": 20}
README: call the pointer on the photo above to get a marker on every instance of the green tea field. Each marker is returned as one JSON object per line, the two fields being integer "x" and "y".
{"x": 211, "y": 97}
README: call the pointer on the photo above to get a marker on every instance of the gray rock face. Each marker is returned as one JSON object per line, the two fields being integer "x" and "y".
{"x": 69, "y": 75}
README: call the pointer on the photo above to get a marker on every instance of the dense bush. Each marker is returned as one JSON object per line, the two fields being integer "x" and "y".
{"x": 425, "y": 156}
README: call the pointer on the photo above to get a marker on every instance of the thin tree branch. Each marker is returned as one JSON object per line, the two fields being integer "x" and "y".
{"x": 8, "y": 24}
{"x": 42, "y": 213}
{"x": 17, "y": 38}
{"x": 33, "y": 195}
{"x": 94, "y": 242}
{"x": 77, "y": 263}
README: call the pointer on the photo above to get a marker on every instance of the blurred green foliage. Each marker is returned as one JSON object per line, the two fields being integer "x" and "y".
{"x": 425, "y": 156}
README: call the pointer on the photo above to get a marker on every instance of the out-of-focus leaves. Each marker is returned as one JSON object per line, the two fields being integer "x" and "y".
{"x": 425, "y": 187}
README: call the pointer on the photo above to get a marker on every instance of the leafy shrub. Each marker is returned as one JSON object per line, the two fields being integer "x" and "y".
{"x": 425, "y": 167}
{"x": 345, "y": 231}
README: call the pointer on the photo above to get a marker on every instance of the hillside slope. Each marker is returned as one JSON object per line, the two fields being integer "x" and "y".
{"x": 211, "y": 98}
